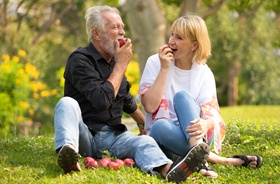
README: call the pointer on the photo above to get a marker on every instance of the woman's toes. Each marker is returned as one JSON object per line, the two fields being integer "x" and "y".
{"x": 208, "y": 174}
{"x": 253, "y": 162}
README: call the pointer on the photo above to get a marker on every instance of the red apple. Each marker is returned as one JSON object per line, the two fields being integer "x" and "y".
{"x": 121, "y": 41}
{"x": 129, "y": 162}
{"x": 113, "y": 165}
{"x": 168, "y": 47}
{"x": 104, "y": 162}
{"x": 119, "y": 162}
{"x": 90, "y": 163}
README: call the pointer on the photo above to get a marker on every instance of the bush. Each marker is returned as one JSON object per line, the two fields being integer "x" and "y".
{"x": 21, "y": 92}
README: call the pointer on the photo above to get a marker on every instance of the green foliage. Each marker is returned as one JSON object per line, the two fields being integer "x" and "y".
{"x": 273, "y": 5}
{"x": 20, "y": 90}
{"x": 172, "y": 2}
{"x": 250, "y": 129}
{"x": 238, "y": 38}
{"x": 243, "y": 5}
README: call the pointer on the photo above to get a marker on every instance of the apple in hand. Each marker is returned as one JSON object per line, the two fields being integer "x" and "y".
{"x": 119, "y": 162}
{"x": 168, "y": 47}
{"x": 121, "y": 41}
{"x": 129, "y": 162}
{"x": 113, "y": 165}
{"x": 104, "y": 162}
{"x": 90, "y": 163}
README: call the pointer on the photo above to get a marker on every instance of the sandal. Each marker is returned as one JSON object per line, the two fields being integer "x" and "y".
{"x": 208, "y": 168}
{"x": 247, "y": 161}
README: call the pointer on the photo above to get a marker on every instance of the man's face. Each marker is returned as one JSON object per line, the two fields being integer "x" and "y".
{"x": 114, "y": 29}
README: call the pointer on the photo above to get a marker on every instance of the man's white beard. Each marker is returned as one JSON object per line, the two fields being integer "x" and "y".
{"x": 109, "y": 45}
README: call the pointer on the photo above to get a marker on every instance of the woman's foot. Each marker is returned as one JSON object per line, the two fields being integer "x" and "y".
{"x": 254, "y": 161}
{"x": 208, "y": 172}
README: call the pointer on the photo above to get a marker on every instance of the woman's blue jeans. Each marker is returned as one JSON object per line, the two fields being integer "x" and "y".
{"x": 173, "y": 138}
{"x": 70, "y": 129}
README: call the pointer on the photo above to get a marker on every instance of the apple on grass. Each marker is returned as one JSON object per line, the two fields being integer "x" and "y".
{"x": 129, "y": 162}
{"x": 113, "y": 165}
{"x": 119, "y": 162}
{"x": 103, "y": 162}
{"x": 90, "y": 163}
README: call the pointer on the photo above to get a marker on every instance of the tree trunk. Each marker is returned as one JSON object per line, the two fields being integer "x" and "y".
{"x": 189, "y": 6}
{"x": 147, "y": 26}
{"x": 232, "y": 93}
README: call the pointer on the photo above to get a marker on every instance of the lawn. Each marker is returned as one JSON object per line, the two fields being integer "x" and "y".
{"x": 250, "y": 129}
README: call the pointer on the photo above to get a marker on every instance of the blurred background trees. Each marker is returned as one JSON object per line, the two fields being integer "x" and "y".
{"x": 40, "y": 34}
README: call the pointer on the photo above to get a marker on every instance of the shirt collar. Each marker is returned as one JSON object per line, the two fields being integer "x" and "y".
{"x": 96, "y": 55}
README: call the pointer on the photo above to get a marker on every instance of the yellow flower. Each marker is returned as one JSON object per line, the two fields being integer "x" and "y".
{"x": 31, "y": 112}
{"x": 134, "y": 89}
{"x": 15, "y": 59}
{"x": 31, "y": 70}
{"x": 36, "y": 86}
{"x": 22, "y": 53}
{"x": 5, "y": 57}
{"x": 45, "y": 93}
{"x": 23, "y": 104}
{"x": 54, "y": 92}
{"x": 61, "y": 82}
{"x": 6, "y": 67}
{"x": 36, "y": 95}
{"x": 20, "y": 118}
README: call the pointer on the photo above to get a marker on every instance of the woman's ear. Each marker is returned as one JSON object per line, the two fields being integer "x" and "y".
{"x": 195, "y": 45}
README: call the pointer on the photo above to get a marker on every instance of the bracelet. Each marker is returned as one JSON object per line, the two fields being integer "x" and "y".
{"x": 141, "y": 125}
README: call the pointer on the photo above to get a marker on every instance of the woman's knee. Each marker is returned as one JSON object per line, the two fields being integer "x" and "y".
{"x": 182, "y": 95}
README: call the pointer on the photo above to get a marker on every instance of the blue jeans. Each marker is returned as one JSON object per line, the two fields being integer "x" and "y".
{"x": 172, "y": 138}
{"x": 70, "y": 129}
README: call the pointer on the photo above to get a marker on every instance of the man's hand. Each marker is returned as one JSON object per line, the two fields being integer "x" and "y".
{"x": 142, "y": 131}
{"x": 123, "y": 54}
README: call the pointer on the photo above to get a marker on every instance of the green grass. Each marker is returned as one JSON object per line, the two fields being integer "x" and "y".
{"x": 250, "y": 129}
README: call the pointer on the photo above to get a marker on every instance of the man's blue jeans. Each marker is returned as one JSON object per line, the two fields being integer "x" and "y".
{"x": 70, "y": 129}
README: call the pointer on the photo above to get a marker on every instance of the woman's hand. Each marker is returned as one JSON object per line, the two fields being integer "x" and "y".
{"x": 165, "y": 56}
{"x": 199, "y": 127}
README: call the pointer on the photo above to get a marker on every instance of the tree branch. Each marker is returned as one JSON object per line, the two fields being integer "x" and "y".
{"x": 49, "y": 22}
{"x": 212, "y": 9}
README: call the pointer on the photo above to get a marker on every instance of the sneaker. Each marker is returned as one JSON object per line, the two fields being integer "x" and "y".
{"x": 68, "y": 159}
{"x": 183, "y": 167}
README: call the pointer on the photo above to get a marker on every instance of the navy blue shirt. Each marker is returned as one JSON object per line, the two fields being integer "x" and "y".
{"x": 86, "y": 75}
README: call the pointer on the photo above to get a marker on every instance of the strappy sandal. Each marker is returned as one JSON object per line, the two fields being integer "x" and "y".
{"x": 208, "y": 168}
{"x": 247, "y": 161}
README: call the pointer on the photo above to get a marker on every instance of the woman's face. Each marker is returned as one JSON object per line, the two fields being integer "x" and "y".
{"x": 182, "y": 47}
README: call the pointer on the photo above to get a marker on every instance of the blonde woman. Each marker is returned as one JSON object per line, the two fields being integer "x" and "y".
{"x": 178, "y": 92}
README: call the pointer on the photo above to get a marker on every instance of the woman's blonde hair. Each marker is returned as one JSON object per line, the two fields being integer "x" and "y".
{"x": 193, "y": 27}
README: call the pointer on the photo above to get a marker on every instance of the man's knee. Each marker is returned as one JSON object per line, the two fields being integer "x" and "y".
{"x": 67, "y": 102}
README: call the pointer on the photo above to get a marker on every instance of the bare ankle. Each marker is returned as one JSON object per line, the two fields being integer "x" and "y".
{"x": 163, "y": 169}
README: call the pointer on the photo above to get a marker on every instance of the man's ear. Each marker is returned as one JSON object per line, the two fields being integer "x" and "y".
{"x": 95, "y": 34}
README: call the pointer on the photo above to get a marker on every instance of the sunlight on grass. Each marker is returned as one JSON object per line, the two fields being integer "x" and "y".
{"x": 254, "y": 114}
{"x": 250, "y": 129}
